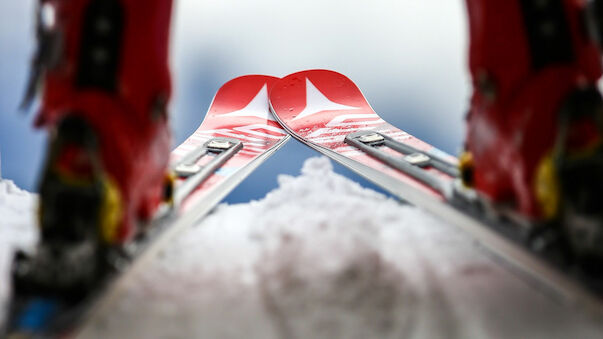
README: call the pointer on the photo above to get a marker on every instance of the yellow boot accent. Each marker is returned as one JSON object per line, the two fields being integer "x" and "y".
{"x": 466, "y": 168}
{"x": 546, "y": 187}
{"x": 169, "y": 185}
{"x": 111, "y": 211}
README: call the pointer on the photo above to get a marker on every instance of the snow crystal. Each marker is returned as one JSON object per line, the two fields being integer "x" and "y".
{"x": 323, "y": 257}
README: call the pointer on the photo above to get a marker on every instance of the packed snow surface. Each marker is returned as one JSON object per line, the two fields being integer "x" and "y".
{"x": 322, "y": 257}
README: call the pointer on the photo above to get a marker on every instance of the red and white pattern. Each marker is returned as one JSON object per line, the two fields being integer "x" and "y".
{"x": 322, "y": 107}
{"x": 240, "y": 110}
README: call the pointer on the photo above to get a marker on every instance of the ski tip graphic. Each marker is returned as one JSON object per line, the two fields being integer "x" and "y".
{"x": 313, "y": 96}
{"x": 257, "y": 107}
{"x": 317, "y": 102}
{"x": 245, "y": 96}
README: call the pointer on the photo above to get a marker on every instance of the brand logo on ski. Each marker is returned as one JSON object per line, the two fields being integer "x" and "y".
{"x": 317, "y": 102}
{"x": 255, "y": 108}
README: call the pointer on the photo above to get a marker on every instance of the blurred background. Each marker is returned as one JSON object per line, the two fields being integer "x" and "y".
{"x": 407, "y": 56}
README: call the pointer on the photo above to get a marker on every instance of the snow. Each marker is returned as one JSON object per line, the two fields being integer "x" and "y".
{"x": 17, "y": 231}
{"x": 322, "y": 257}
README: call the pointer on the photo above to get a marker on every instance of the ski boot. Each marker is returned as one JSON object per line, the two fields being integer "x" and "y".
{"x": 534, "y": 129}
{"x": 106, "y": 85}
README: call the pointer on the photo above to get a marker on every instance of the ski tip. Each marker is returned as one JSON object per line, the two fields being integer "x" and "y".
{"x": 251, "y": 78}
{"x": 312, "y": 98}
{"x": 316, "y": 71}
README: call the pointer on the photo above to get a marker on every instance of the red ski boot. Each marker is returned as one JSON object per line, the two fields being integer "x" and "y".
{"x": 106, "y": 85}
{"x": 535, "y": 124}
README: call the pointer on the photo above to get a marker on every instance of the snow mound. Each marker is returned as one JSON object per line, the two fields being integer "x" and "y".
{"x": 322, "y": 257}
{"x": 321, "y": 238}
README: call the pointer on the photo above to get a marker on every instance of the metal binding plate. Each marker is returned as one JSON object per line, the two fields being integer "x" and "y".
{"x": 189, "y": 167}
{"x": 412, "y": 161}
{"x": 418, "y": 159}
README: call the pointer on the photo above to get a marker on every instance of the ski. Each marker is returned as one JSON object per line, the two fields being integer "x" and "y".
{"x": 237, "y": 134}
{"x": 326, "y": 111}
